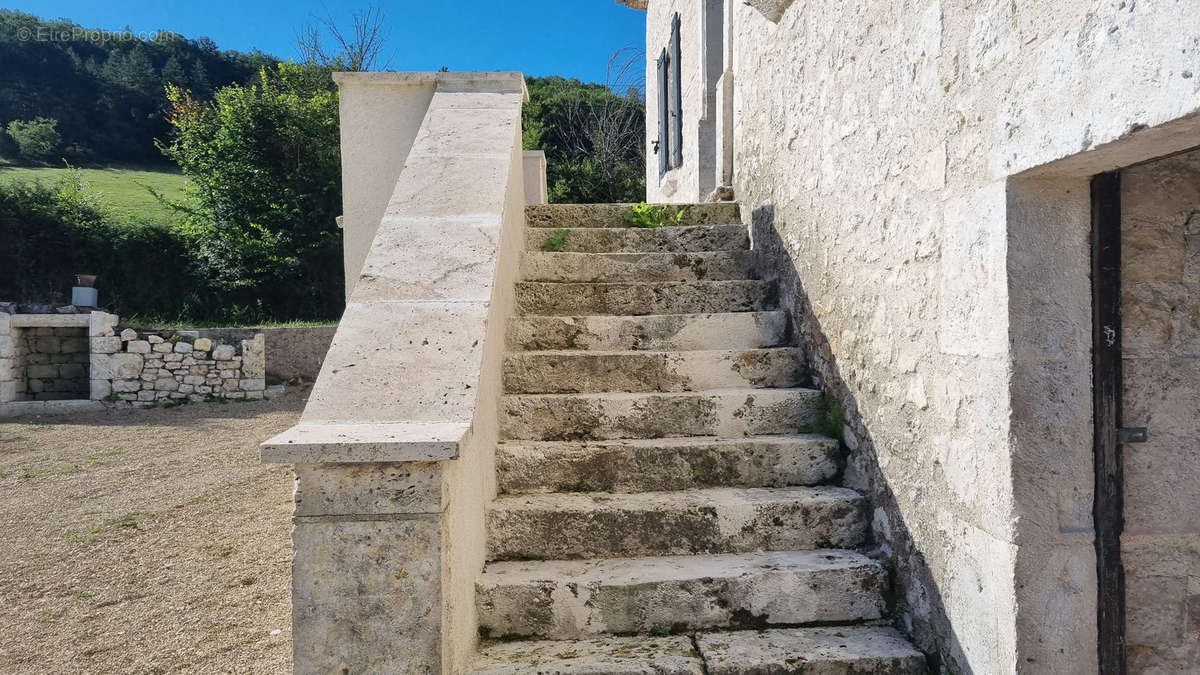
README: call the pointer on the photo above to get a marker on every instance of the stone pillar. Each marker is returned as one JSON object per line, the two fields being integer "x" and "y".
{"x": 8, "y": 353}
{"x": 367, "y": 565}
{"x": 534, "y": 169}
{"x": 103, "y": 342}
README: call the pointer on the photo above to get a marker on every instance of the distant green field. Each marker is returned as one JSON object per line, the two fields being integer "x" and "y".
{"x": 123, "y": 188}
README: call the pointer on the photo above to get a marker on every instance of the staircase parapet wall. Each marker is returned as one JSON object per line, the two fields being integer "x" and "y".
{"x": 394, "y": 452}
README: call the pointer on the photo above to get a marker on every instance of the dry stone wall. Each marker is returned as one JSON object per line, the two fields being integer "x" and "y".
{"x": 76, "y": 357}
{"x": 151, "y": 368}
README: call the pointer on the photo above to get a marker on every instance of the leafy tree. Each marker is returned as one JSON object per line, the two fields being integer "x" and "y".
{"x": 36, "y": 139}
{"x": 265, "y": 189}
{"x": 594, "y": 139}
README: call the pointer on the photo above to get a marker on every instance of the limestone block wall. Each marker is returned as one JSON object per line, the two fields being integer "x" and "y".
{"x": 875, "y": 146}
{"x": 1160, "y": 313}
{"x": 51, "y": 363}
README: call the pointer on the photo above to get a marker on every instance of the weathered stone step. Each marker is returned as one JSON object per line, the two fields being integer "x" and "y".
{"x": 727, "y": 413}
{"x": 717, "y": 520}
{"x": 564, "y": 372}
{"x": 563, "y": 599}
{"x": 673, "y": 655}
{"x": 661, "y": 332}
{"x": 645, "y": 465}
{"x": 638, "y": 240}
{"x": 635, "y": 299}
{"x": 616, "y": 267}
{"x": 835, "y": 650}
{"x": 613, "y": 215}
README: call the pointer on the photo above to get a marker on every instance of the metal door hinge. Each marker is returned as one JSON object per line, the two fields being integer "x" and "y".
{"x": 1132, "y": 435}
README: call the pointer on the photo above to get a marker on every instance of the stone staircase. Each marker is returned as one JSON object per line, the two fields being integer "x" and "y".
{"x": 664, "y": 507}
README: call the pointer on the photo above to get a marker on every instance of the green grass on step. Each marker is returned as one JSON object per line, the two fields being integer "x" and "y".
{"x": 123, "y": 188}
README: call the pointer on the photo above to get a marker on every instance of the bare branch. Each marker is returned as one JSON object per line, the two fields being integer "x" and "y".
{"x": 357, "y": 50}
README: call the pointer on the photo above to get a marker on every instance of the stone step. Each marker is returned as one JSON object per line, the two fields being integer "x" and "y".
{"x": 638, "y": 240}
{"x": 674, "y": 655}
{"x": 655, "y": 332}
{"x": 635, "y": 299}
{"x": 645, "y": 465}
{"x": 726, "y": 413}
{"x": 716, "y": 520}
{"x": 564, "y": 372}
{"x": 616, "y": 267}
{"x": 563, "y": 599}
{"x": 833, "y": 650}
{"x": 613, "y": 215}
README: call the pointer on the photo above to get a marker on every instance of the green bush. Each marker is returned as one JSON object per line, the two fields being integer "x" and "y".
{"x": 265, "y": 189}
{"x": 594, "y": 140}
{"x": 53, "y": 232}
{"x": 36, "y": 139}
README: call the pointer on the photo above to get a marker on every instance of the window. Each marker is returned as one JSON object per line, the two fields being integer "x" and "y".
{"x": 670, "y": 113}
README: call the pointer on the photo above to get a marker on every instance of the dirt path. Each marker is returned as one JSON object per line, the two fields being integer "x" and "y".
{"x": 146, "y": 541}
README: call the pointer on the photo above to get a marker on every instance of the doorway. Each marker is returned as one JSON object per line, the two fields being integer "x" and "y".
{"x": 1146, "y": 371}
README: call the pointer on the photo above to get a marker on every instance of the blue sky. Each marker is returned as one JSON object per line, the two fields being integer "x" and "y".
{"x": 574, "y": 38}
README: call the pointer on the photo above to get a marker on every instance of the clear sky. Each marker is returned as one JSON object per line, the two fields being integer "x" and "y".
{"x": 573, "y": 38}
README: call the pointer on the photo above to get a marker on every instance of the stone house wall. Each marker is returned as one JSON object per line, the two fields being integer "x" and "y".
{"x": 694, "y": 179}
{"x": 881, "y": 150}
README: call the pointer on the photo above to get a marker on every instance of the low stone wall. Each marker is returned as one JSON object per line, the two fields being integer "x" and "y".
{"x": 148, "y": 369}
{"x": 297, "y": 351}
{"x": 292, "y": 351}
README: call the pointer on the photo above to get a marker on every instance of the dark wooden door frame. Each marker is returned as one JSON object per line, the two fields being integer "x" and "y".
{"x": 1108, "y": 505}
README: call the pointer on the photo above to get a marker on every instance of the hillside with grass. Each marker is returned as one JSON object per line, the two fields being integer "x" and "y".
{"x": 128, "y": 191}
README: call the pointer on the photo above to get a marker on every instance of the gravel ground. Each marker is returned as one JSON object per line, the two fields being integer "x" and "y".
{"x": 146, "y": 541}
